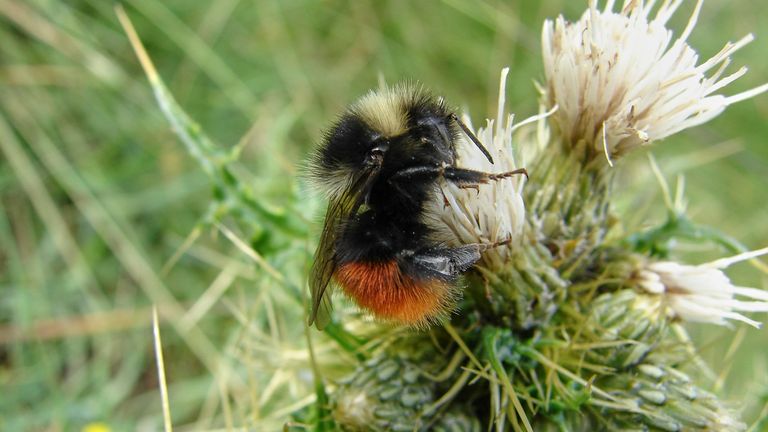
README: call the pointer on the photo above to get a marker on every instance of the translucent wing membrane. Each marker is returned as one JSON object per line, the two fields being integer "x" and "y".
{"x": 340, "y": 209}
{"x": 325, "y": 264}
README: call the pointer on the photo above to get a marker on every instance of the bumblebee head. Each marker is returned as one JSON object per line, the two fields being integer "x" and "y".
{"x": 386, "y": 130}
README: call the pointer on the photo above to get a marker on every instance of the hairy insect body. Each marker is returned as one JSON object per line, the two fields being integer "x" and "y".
{"x": 380, "y": 164}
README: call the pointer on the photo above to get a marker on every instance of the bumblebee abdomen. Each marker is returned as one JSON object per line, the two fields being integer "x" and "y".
{"x": 384, "y": 290}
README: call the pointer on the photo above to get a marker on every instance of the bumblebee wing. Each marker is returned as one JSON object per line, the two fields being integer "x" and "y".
{"x": 325, "y": 262}
{"x": 340, "y": 209}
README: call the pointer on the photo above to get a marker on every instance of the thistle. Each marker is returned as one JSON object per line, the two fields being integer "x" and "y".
{"x": 568, "y": 326}
{"x": 620, "y": 81}
{"x": 703, "y": 293}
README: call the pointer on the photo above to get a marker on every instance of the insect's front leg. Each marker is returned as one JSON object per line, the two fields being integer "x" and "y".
{"x": 463, "y": 178}
{"x": 471, "y": 179}
{"x": 416, "y": 174}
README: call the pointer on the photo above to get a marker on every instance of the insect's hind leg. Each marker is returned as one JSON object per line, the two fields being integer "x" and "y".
{"x": 443, "y": 263}
{"x": 485, "y": 246}
{"x": 449, "y": 262}
{"x": 471, "y": 179}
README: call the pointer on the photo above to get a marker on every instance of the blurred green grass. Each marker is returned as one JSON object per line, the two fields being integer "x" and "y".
{"x": 97, "y": 194}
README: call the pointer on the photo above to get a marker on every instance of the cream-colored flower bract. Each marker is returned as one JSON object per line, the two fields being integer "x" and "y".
{"x": 703, "y": 293}
{"x": 621, "y": 80}
{"x": 494, "y": 212}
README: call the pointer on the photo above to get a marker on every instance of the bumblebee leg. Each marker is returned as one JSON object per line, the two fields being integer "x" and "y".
{"x": 407, "y": 176}
{"x": 485, "y": 246}
{"x": 442, "y": 263}
{"x": 459, "y": 176}
{"x": 463, "y": 178}
{"x": 420, "y": 172}
{"x": 446, "y": 264}
{"x": 470, "y": 179}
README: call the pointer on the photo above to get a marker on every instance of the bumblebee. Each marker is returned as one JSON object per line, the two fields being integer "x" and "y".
{"x": 379, "y": 164}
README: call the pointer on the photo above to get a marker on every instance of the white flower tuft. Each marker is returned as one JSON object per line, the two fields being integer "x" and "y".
{"x": 703, "y": 293}
{"x": 354, "y": 409}
{"x": 495, "y": 212}
{"x": 621, "y": 80}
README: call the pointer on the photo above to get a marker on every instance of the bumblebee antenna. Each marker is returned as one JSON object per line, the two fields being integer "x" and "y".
{"x": 472, "y": 137}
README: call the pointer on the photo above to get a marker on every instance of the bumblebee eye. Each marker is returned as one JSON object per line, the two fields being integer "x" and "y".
{"x": 375, "y": 155}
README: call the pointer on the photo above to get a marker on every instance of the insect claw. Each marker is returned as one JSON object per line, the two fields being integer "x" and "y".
{"x": 471, "y": 186}
{"x": 485, "y": 246}
{"x": 508, "y": 174}
{"x": 446, "y": 203}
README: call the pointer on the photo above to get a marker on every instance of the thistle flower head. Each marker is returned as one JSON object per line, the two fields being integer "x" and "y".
{"x": 703, "y": 293}
{"x": 493, "y": 212}
{"x": 621, "y": 80}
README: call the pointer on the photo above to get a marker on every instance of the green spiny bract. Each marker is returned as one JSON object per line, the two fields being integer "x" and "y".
{"x": 396, "y": 389}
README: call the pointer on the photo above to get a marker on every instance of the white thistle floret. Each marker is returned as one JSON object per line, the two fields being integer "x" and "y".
{"x": 620, "y": 80}
{"x": 354, "y": 409}
{"x": 495, "y": 212}
{"x": 703, "y": 293}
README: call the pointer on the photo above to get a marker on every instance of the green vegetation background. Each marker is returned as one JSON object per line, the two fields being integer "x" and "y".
{"x": 97, "y": 194}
